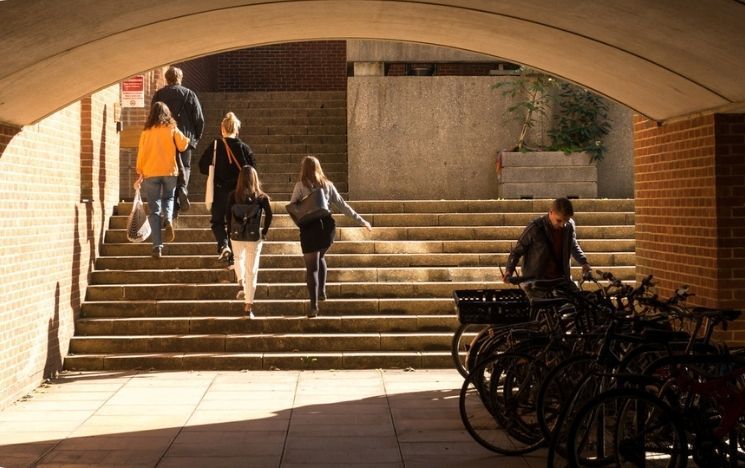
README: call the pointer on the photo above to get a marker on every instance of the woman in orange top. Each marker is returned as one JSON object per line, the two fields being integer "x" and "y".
{"x": 157, "y": 170}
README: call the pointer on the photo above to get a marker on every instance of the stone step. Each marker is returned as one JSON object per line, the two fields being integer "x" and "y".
{"x": 268, "y": 307}
{"x": 288, "y": 113}
{"x": 307, "y": 148}
{"x": 397, "y": 233}
{"x": 321, "y": 139}
{"x": 336, "y": 290}
{"x": 289, "y": 178}
{"x": 390, "y": 291}
{"x": 268, "y": 168}
{"x": 518, "y": 220}
{"x": 537, "y": 207}
{"x": 174, "y": 291}
{"x": 336, "y": 274}
{"x": 294, "y": 104}
{"x": 249, "y": 133}
{"x": 296, "y": 158}
{"x": 597, "y": 259}
{"x": 257, "y": 342}
{"x": 265, "y": 325}
{"x": 288, "y": 185}
{"x": 256, "y": 106}
{"x": 259, "y": 361}
{"x": 388, "y": 247}
{"x": 252, "y": 96}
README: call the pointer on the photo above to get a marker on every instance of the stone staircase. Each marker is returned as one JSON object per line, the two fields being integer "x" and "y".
{"x": 281, "y": 128}
{"x": 390, "y": 290}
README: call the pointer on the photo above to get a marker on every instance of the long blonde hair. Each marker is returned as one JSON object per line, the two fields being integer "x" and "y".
{"x": 248, "y": 185}
{"x": 311, "y": 174}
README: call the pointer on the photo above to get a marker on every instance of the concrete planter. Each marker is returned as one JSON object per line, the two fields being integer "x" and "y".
{"x": 547, "y": 174}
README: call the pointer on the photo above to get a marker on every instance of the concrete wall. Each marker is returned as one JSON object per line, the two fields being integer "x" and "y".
{"x": 616, "y": 170}
{"x": 394, "y": 51}
{"x": 438, "y": 137}
{"x": 59, "y": 181}
{"x": 423, "y": 137}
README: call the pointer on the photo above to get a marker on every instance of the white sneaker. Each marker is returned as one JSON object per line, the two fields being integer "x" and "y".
{"x": 224, "y": 253}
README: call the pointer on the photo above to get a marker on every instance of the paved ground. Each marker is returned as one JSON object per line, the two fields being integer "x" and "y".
{"x": 224, "y": 419}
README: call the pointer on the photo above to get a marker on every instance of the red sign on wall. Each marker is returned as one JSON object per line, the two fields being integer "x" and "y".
{"x": 133, "y": 91}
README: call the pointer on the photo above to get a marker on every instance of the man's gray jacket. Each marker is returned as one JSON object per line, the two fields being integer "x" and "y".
{"x": 534, "y": 247}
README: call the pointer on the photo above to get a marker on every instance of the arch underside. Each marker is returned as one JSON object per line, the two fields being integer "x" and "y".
{"x": 663, "y": 59}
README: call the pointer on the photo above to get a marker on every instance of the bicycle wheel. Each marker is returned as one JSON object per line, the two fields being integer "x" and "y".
{"x": 627, "y": 427}
{"x": 514, "y": 396}
{"x": 590, "y": 385}
{"x": 467, "y": 336}
{"x": 557, "y": 390}
{"x": 482, "y": 406}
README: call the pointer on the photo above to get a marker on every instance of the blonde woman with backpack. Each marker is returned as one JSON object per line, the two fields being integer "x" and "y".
{"x": 247, "y": 205}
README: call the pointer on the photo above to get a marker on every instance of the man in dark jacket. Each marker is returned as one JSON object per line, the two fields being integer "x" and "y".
{"x": 547, "y": 244}
{"x": 187, "y": 111}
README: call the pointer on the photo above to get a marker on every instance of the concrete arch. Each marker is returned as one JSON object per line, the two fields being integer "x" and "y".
{"x": 664, "y": 59}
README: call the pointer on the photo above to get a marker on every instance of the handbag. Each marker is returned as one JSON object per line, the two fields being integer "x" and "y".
{"x": 308, "y": 209}
{"x": 138, "y": 226}
{"x": 209, "y": 188}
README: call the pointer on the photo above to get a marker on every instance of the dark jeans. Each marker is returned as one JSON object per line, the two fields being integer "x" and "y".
{"x": 184, "y": 169}
{"x": 219, "y": 221}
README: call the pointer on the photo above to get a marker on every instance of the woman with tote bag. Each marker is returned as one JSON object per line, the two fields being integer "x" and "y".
{"x": 230, "y": 154}
{"x": 317, "y": 236}
{"x": 157, "y": 170}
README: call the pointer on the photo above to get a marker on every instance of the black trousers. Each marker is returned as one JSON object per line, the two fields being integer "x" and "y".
{"x": 184, "y": 170}
{"x": 219, "y": 221}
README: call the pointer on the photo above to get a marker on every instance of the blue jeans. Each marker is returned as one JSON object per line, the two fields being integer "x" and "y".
{"x": 159, "y": 192}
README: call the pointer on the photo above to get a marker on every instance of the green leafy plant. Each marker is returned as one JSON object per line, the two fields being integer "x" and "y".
{"x": 531, "y": 94}
{"x": 580, "y": 123}
{"x": 580, "y": 118}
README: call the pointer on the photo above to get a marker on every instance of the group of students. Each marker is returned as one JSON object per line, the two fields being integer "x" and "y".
{"x": 160, "y": 169}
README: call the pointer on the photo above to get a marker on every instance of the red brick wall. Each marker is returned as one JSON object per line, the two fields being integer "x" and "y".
{"x": 200, "y": 74}
{"x": 50, "y": 235}
{"x": 690, "y": 189}
{"x": 294, "y": 66}
{"x": 730, "y": 191}
{"x": 133, "y": 119}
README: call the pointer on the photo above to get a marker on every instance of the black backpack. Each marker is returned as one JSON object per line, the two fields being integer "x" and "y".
{"x": 246, "y": 222}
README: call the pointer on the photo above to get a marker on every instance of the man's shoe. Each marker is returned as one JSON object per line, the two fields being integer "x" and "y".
{"x": 170, "y": 232}
{"x": 157, "y": 252}
{"x": 322, "y": 296}
{"x": 183, "y": 199}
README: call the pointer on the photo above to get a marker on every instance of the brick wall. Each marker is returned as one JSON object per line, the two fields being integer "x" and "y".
{"x": 133, "y": 119}
{"x": 690, "y": 189}
{"x": 730, "y": 192}
{"x": 50, "y": 235}
{"x": 294, "y": 66}
{"x": 200, "y": 74}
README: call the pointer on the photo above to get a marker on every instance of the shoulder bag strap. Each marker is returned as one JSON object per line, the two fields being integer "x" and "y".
{"x": 214, "y": 153}
{"x": 231, "y": 156}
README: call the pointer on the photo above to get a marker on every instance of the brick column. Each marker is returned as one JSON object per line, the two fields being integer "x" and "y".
{"x": 690, "y": 208}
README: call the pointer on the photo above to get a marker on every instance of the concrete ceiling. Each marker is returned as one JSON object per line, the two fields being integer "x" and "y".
{"x": 662, "y": 58}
